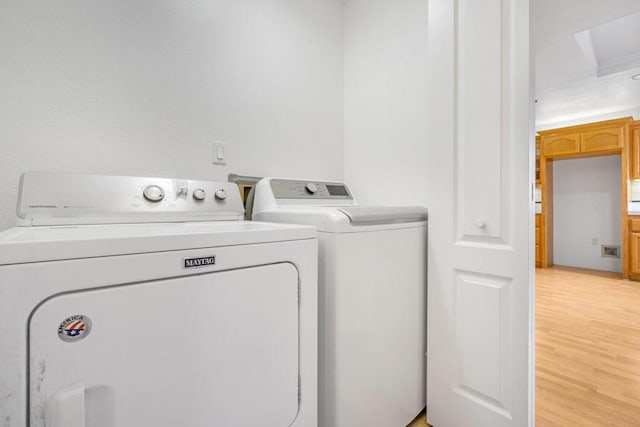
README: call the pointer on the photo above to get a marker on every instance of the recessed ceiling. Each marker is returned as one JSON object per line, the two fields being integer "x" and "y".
{"x": 586, "y": 52}
{"x": 613, "y": 47}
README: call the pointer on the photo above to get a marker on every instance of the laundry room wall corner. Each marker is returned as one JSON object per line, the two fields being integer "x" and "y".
{"x": 385, "y": 92}
{"x": 146, "y": 87}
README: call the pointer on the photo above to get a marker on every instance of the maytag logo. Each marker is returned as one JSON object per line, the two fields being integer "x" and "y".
{"x": 199, "y": 262}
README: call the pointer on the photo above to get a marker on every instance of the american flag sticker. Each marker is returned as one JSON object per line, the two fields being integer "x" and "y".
{"x": 74, "y": 328}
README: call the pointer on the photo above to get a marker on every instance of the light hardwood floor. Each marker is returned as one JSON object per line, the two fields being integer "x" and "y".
{"x": 587, "y": 349}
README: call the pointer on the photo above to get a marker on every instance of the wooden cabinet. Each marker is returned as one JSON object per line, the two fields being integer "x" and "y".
{"x": 634, "y": 248}
{"x": 634, "y": 169}
{"x": 538, "y": 159}
{"x": 558, "y": 145}
{"x": 544, "y": 220}
{"x": 605, "y": 139}
{"x": 538, "y": 241}
{"x": 608, "y": 137}
{"x": 594, "y": 138}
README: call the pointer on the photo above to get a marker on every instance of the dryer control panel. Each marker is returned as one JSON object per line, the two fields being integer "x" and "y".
{"x": 65, "y": 199}
{"x": 296, "y": 189}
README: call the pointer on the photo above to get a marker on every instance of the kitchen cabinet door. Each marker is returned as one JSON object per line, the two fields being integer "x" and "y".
{"x": 556, "y": 145}
{"x": 634, "y": 253}
{"x": 538, "y": 152}
{"x": 605, "y": 139}
{"x": 634, "y": 169}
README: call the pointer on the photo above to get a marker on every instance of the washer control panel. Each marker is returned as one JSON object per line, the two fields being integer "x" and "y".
{"x": 295, "y": 189}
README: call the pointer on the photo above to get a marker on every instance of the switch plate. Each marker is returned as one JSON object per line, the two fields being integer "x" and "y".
{"x": 219, "y": 153}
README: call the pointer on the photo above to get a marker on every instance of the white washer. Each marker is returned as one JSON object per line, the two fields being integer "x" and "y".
{"x": 372, "y": 300}
{"x": 148, "y": 302}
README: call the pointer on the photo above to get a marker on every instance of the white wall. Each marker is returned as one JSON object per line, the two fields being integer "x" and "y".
{"x": 385, "y": 147}
{"x": 586, "y": 206}
{"x": 144, "y": 87}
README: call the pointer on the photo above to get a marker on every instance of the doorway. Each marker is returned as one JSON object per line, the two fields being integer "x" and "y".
{"x": 587, "y": 213}
{"x": 586, "y": 315}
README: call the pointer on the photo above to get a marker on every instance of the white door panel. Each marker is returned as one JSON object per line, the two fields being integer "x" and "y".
{"x": 218, "y": 349}
{"x": 480, "y": 215}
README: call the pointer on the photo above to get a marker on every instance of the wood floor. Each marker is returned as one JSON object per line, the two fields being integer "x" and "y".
{"x": 587, "y": 349}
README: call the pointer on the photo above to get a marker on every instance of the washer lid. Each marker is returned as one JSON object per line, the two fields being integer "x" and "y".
{"x": 342, "y": 219}
{"x": 363, "y": 215}
{"x": 35, "y": 244}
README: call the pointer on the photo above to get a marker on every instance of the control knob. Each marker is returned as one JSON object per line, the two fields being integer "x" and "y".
{"x": 153, "y": 193}
{"x": 311, "y": 188}
{"x": 221, "y": 194}
{"x": 199, "y": 194}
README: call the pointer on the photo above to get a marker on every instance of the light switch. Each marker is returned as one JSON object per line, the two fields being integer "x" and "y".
{"x": 219, "y": 153}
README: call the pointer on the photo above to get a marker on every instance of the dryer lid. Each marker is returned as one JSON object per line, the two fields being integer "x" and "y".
{"x": 37, "y": 244}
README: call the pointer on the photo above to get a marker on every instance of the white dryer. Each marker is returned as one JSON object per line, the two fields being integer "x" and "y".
{"x": 148, "y": 302}
{"x": 372, "y": 299}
